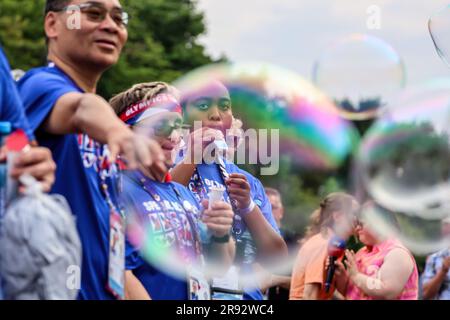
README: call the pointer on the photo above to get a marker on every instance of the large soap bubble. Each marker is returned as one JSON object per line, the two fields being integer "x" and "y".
{"x": 403, "y": 165}
{"x": 280, "y": 115}
{"x": 439, "y": 28}
{"x": 361, "y": 73}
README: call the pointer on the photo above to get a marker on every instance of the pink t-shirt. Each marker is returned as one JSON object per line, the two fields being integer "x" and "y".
{"x": 369, "y": 263}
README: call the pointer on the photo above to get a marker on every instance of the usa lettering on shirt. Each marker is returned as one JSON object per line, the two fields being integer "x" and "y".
{"x": 213, "y": 183}
{"x": 208, "y": 184}
{"x": 89, "y": 150}
{"x": 170, "y": 227}
{"x": 153, "y": 206}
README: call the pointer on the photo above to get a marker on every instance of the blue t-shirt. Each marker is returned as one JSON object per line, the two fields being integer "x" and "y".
{"x": 11, "y": 108}
{"x": 208, "y": 175}
{"x": 170, "y": 228}
{"x": 78, "y": 159}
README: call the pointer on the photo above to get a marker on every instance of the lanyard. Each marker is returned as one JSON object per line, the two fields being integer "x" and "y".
{"x": 238, "y": 224}
{"x": 146, "y": 184}
{"x": 199, "y": 186}
{"x": 104, "y": 165}
{"x": 225, "y": 175}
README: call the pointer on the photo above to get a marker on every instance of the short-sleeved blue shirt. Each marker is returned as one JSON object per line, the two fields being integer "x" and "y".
{"x": 11, "y": 108}
{"x": 170, "y": 227}
{"x": 79, "y": 165}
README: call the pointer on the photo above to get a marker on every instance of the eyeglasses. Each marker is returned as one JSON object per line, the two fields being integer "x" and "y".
{"x": 165, "y": 127}
{"x": 96, "y": 12}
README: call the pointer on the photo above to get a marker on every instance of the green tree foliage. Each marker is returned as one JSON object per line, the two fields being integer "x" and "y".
{"x": 163, "y": 40}
{"x": 21, "y": 32}
{"x": 162, "y": 44}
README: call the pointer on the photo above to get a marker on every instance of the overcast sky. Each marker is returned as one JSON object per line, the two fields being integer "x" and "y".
{"x": 293, "y": 33}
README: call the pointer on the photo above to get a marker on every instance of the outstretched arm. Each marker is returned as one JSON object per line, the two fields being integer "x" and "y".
{"x": 91, "y": 114}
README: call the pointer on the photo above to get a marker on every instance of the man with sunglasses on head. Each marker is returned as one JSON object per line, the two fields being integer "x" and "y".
{"x": 76, "y": 124}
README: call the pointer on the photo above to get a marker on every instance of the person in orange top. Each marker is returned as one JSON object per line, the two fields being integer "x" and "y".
{"x": 334, "y": 217}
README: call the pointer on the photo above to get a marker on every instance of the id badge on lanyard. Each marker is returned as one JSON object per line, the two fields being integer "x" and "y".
{"x": 226, "y": 287}
{"x": 116, "y": 261}
{"x": 198, "y": 285}
{"x": 116, "y": 272}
